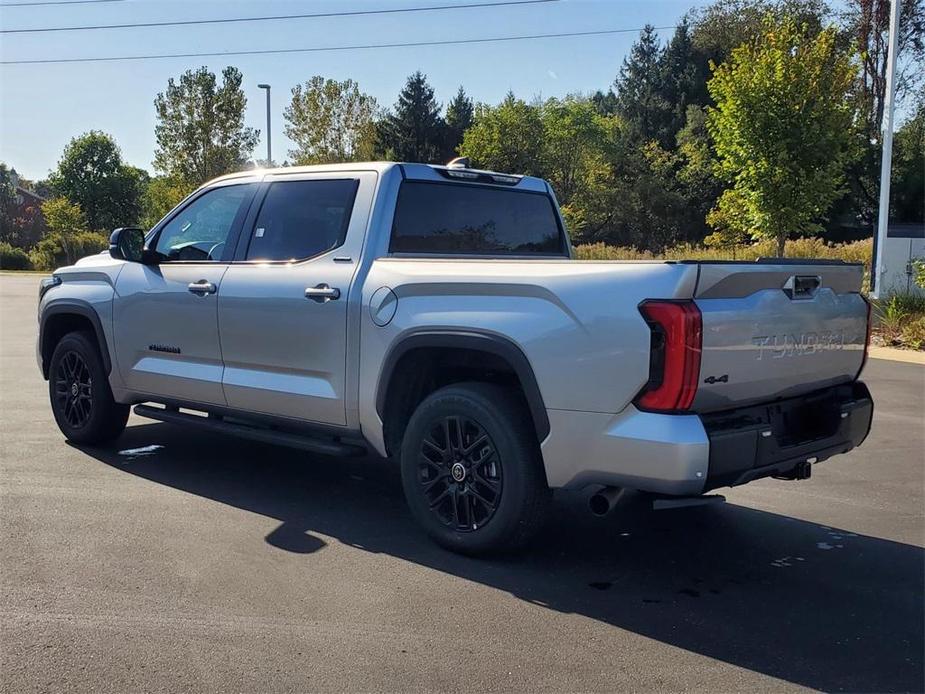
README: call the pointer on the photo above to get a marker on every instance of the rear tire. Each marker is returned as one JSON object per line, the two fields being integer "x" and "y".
{"x": 81, "y": 399}
{"x": 471, "y": 469}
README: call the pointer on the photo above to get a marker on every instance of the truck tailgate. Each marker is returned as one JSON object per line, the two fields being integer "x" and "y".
{"x": 777, "y": 329}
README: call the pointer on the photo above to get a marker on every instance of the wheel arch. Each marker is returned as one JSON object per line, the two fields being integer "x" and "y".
{"x": 496, "y": 351}
{"x": 65, "y": 316}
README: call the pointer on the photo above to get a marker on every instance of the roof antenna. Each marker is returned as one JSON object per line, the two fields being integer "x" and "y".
{"x": 459, "y": 163}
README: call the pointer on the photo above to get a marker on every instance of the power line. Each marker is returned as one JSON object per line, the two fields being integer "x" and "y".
{"x": 314, "y": 15}
{"x": 369, "y": 46}
{"x": 53, "y": 2}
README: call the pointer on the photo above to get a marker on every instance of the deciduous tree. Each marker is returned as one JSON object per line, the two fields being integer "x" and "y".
{"x": 330, "y": 121}
{"x": 782, "y": 127}
{"x": 161, "y": 195}
{"x": 200, "y": 126}
{"x": 573, "y": 143}
{"x": 92, "y": 174}
{"x": 724, "y": 25}
{"x": 865, "y": 25}
{"x": 21, "y": 225}
{"x": 68, "y": 234}
{"x": 507, "y": 137}
{"x": 7, "y": 204}
{"x": 908, "y": 182}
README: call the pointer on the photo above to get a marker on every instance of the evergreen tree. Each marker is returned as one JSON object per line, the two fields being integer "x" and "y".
{"x": 682, "y": 80}
{"x": 641, "y": 100}
{"x": 459, "y": 113}
{"x": 604, "y": 103}
{"x": 413, "y": 130}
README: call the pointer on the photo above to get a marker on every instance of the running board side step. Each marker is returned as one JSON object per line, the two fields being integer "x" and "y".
{"x": 264, "y": 435}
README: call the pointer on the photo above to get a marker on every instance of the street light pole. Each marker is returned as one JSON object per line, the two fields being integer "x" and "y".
{"x": 269, "y": 140}
{"x": 886, "y": 161}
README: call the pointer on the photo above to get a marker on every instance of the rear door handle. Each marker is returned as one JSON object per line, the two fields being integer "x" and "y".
{"x": 202, "y": 287}
{"x": 322, "y": 293}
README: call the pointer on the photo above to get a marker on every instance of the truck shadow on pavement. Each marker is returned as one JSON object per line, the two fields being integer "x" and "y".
{"x": 816, "y": 606}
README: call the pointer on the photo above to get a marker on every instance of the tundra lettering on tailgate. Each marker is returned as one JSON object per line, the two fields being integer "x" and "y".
{"x": 797, "y": 345}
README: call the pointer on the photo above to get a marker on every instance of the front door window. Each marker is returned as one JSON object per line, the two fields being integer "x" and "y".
{"x": 201, "y": 230}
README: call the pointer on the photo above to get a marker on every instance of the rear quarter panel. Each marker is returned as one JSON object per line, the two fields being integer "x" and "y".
{"x": 577, "y": 322}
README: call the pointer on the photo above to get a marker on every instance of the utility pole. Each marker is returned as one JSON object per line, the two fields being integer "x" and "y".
{"x": 886, "y": 161}
{"x": 269, "y": 140}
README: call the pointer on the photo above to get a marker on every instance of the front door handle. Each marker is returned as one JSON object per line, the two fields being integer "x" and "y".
{"x": 202, "y": 287}
{"x": 322, "y": 293}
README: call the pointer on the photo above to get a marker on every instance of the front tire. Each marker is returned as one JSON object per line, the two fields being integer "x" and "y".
{"x": 471, "y": 469}
{"x": 81, "y": 399}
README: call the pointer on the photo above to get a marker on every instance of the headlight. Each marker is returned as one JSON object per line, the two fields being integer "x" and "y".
{"x": 47, "y": 283}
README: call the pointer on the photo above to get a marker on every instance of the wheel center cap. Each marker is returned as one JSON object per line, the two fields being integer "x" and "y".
{"x": 458, "y": 471}
{"x": 74, "y": 389}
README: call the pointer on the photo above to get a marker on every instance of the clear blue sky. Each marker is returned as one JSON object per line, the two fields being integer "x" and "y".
{"x": 43, "y": 106}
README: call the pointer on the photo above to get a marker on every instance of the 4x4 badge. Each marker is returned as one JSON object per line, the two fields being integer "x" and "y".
{"x": 713, "y": 379}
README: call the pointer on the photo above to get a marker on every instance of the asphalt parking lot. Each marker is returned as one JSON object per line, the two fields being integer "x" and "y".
{"x": 213, "y": 564}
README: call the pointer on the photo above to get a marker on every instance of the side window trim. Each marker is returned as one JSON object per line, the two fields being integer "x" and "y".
{"x": 245, "y": 233}
{"x": 233, "y": 234}
{"x": 242, "y": 241}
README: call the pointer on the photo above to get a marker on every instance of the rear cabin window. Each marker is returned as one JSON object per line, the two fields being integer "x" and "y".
{"x": 470, "y": 219}
{"x": 302, "y": 219}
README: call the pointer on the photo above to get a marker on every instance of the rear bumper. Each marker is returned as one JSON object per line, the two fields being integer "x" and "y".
{"x": 771, "y": 440}
{"x": 668, "y": 454}
{"x": 691, "y": 454}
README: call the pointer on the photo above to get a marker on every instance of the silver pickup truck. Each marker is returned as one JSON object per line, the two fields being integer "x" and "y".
{"x": 435, "y": 315}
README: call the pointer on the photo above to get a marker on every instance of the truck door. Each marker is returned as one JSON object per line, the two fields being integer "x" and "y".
{"x": 284, "y": 304}
{"x": 165, "y": 314}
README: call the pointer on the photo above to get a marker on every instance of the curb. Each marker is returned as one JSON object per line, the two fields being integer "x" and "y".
{"x": 892, "y": 354}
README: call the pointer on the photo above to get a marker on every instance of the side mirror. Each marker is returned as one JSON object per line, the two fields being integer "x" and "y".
{"x": 128, "y": 243}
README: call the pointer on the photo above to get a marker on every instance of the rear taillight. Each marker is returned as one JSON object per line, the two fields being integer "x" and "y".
{"x": 867, "y": 336}
{"x": 677, "y": 337}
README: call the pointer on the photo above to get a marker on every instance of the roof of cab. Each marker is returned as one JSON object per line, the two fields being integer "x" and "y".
{"x": 418, "y": 172}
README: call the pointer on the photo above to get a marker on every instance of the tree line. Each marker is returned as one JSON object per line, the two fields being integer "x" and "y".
{"x": 756, "y": 119}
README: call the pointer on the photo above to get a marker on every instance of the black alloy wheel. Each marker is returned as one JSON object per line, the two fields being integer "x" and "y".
{"x": 472, "y": 471}
{"x": 78, "y": 387}
{"x": 74, "y": 389}
{"x": 460, "y": 473}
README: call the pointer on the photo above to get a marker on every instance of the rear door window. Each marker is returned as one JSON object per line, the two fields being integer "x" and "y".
{"x": 302, "y": 219}
{"x": 477, "y": 220}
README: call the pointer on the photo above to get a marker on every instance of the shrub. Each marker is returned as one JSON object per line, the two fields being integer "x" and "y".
{"x": 908, "y": 302}
{"x": 913, "y": 334}
{"x": 12, "y": 258}
{"x": 918, "y": 268}
{"x": 55, "y": 250}
{"x": 890, "y": 317}
{"x": 855, "y": 252}
{"x": 601, "y": 251}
